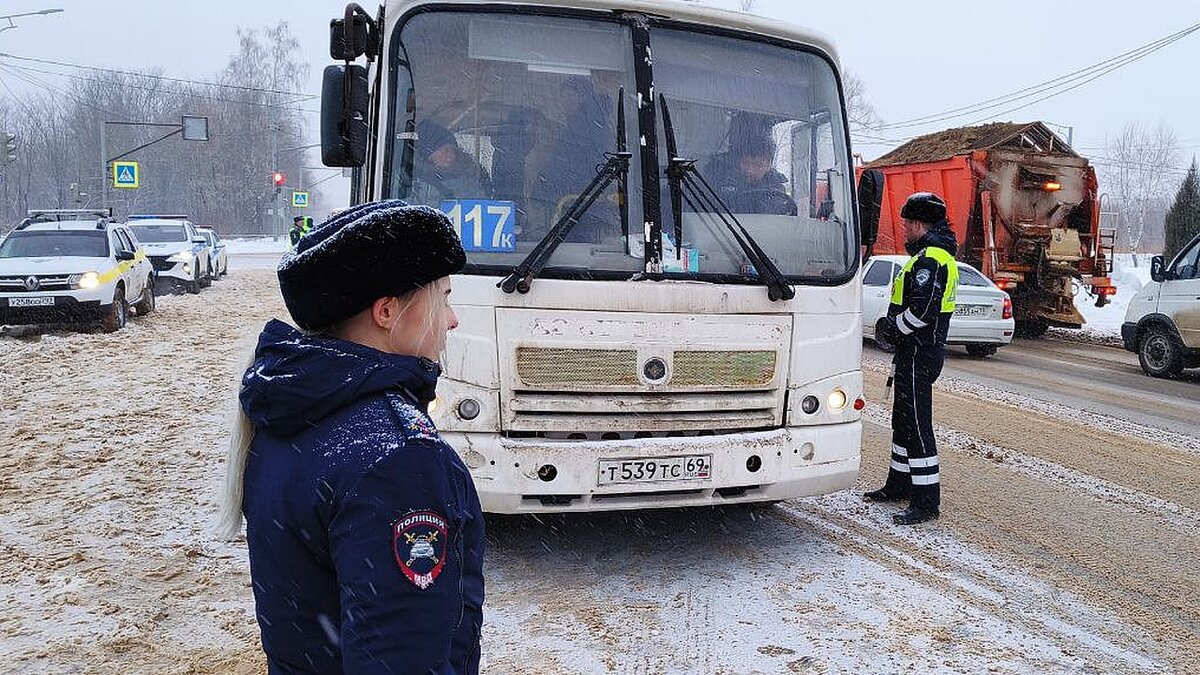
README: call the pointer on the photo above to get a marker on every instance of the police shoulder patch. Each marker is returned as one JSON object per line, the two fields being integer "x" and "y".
{"x": 419, "y": 543}
{"x": 922, "y": 277}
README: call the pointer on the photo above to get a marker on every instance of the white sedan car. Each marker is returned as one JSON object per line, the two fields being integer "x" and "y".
{"x": 983, "y": 318}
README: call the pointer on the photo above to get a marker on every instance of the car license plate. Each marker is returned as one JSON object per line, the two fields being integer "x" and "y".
{"x": 655, "y": 469}
{"x": 972, "y": 311}
{"x": 31, "y": 302}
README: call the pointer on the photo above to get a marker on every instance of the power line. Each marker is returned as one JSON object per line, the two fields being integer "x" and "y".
{"x": 1090, "y": 73}
{"x": 301, "y": 95}
{"x": 208, "y": 97}
{"x": 28, "y": 79}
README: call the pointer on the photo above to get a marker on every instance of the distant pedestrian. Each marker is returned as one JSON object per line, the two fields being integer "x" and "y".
{"x": 364, "y": 528}
{"x": 923, "y": 298}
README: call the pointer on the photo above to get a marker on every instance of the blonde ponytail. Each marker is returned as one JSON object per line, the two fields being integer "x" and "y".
{"x": 229, "y": 517}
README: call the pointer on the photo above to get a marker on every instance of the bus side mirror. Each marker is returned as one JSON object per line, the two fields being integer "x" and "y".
{"x": 1157, "y": 274}
{"x": 344, "y": 116}
{"x": 870, "y": 205}
{"x": 354, "y": 35}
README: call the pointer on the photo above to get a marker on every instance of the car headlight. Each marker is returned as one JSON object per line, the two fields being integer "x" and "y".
{"x": 184, "y": 256}
{"x": 86, "y": 281}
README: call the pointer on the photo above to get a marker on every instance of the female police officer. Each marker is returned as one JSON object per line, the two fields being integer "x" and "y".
{"x": 364, "y": 528}
{"x": 923, "y": 298}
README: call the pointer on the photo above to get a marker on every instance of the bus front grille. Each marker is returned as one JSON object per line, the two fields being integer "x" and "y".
{"x": 550, "y": 368}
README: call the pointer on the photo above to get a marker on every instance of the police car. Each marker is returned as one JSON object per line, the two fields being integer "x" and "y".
{"x": 73, "y": 266}
{"x": 218, "y": 257}
{"x": 178, "y": 252}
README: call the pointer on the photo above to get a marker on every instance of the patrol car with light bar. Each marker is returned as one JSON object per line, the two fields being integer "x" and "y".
{"x": 73, "y": 266}
{"x": 179, "y": 253}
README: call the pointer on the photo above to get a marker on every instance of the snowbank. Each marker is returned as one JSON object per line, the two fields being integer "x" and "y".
{"x": 1104, "y": 323}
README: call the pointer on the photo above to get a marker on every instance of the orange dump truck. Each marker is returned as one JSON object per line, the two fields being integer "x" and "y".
{"x": 1025, "y": 209}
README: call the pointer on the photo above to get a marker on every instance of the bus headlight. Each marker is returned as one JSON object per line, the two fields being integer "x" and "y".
{"x": 468, "y": 409}
{"x": 809, "y": 404}
{"x": 837, "y": 399}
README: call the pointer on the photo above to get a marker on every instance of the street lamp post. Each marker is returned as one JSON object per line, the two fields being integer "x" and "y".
{"x": 10, "y": 17}
{"x": 191, "y": 127}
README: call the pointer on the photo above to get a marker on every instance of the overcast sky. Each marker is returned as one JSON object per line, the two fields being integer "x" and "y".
{"x": 916, "y": 59}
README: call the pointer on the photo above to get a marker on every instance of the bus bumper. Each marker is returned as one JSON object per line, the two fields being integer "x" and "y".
{"x": 540, "y": 476}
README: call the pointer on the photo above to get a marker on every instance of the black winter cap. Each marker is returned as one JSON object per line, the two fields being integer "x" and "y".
{"x": 371, "y": 251}
{"x": 925, "y": 207}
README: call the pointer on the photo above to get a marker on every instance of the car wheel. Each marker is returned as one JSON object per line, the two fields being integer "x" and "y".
{"x": 206, "y": 279}
{"x": 118, "y": 312}
{"x": 193, "y": 286}
{"x": 981, "y": 351}
{"x": 1159, "y": 353}
{"x": 146, "y": 304}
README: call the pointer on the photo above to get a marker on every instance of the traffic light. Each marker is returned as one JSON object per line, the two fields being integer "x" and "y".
{"x": 277, "y": 180}
{"x": 8, "y": 147}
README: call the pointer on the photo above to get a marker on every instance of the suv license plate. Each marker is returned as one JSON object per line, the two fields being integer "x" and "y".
{"x": 655, "y": 469}
{"x": 31, "y": 302}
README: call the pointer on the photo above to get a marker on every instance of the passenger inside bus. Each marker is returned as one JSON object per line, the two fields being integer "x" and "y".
{"x": 588, "y": 132}
{"x": 744, "y": 176}
{"x": 443, "y": 170}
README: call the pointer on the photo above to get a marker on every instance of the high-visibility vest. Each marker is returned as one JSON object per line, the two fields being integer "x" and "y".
{"x": 944, "y": 259}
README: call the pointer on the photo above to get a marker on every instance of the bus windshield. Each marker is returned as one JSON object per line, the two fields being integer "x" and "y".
{"x": 502, "y": 119}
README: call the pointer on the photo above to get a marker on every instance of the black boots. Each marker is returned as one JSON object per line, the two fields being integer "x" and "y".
{"x": 914, "y": 515}
{"x": 909, "y": 516}
{"x": 884, "y": 494}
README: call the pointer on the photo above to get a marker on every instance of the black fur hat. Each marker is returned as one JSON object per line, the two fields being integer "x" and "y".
{"x": 925, "y": 207}
{"x": 371, "y": 251}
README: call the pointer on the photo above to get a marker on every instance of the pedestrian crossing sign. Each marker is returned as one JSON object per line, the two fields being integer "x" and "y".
{"x": 300, "y": 199}
{"x": 126, "y": 175}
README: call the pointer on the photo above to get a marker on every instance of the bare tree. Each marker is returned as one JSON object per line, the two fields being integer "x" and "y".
{"x": 1139, "y": 173}
{"x": 224, "y": 182}
{"x": 860, "y": 111}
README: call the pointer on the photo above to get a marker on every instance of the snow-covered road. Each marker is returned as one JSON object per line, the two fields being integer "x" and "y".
{"x": 1065, "y": 546}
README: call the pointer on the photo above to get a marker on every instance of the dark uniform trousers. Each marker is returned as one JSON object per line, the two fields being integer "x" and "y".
{"x": 914, "y": 467}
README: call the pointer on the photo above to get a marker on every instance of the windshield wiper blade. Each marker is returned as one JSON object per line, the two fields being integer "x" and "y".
{"x": 615, "y": 168}
{"x": 688, "y": 184}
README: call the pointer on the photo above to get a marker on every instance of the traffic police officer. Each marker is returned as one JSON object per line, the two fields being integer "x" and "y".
{"x": 301, "y": 225}
{"x": 364, "y": 527}
{"x": 917, "y": 322}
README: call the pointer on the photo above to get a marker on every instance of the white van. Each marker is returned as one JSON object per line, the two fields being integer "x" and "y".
{"x": 1163, "y": 321}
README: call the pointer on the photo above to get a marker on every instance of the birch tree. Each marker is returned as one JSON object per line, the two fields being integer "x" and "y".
{"x": 1139, "y": 174}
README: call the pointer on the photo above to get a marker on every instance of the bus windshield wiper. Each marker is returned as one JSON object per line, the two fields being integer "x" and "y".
{"x": 688, "y": 184}
{"x": 615, "y": 168}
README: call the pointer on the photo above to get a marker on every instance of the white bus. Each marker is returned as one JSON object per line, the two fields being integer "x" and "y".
{"x": 661, "y": 302}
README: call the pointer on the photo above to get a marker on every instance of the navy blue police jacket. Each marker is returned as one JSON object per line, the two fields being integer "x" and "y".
{"x": 365, "y": 532}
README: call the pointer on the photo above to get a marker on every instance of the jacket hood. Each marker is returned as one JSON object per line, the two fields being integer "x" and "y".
{"x": 296, "y": 380}
{"x": 939, "y": 235}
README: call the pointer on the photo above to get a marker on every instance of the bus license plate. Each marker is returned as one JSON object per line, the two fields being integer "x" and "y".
{"x": 971, "y": 311}
{"x": 655, "y": 469}
{"x": 31, "y": 302}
